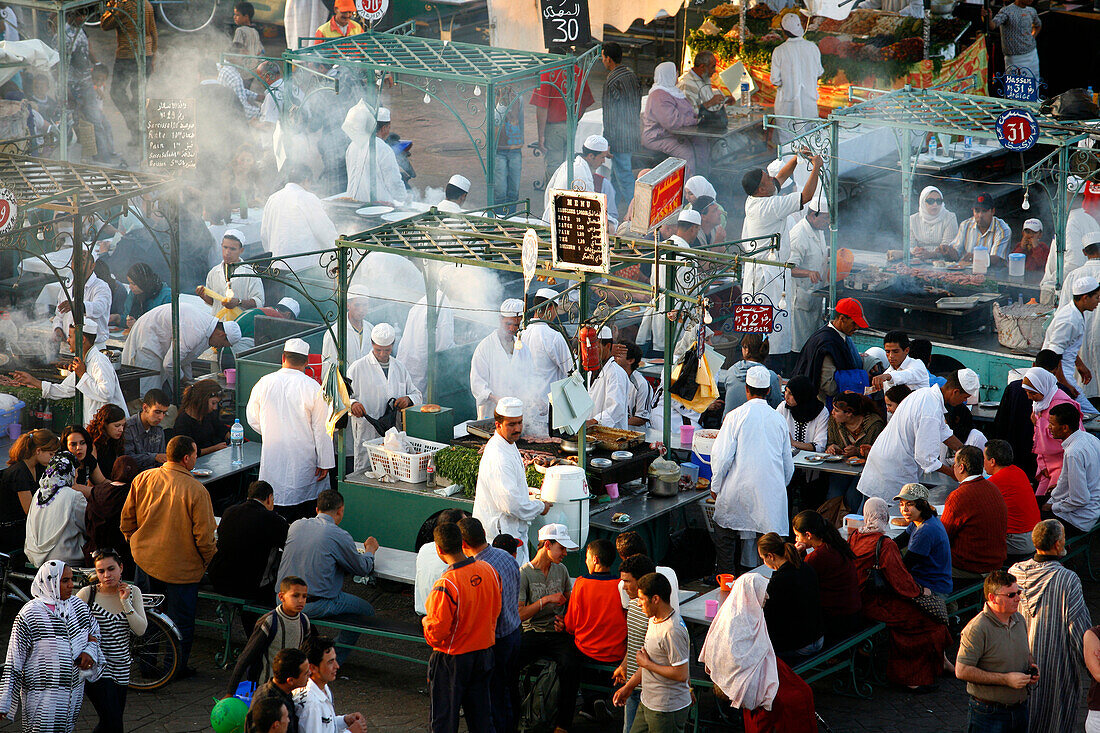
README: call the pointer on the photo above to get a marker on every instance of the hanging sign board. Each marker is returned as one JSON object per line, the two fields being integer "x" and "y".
{"x": 170, "y": 130}
{"x": 565, "y": 23}
{"x": 372, "y": 10}
{"x": 1017, "y": 129}
{"x": 752, "y": 318}
{"x": 1021, "y": 87}
{"x": 658, "y": 195}
{"x": 9, "y": 211}
{"x": 578, "y": 232}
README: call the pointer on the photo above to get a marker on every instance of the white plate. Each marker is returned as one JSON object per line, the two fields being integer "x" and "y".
{"x": 397, "y": 216}
{"x": 374, "y": 210}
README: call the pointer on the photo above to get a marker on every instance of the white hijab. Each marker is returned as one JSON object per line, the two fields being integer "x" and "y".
{"x": 1044, "y": 383}
{"x": 700, "y": 186}
{"x": 738, "y": 652}
{"x": 929, "y": 227}
{"x": 664, "y": 78}
{"x": 876, "y": 516}
{"x": 46, "y": 587}
{"x": 927, "y": 216}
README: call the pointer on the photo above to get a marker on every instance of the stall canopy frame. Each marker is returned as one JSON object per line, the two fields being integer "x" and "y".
{"x": 942, "y": 110}
{"x": 478, "y": 85}
{"x": 48, "y": 192}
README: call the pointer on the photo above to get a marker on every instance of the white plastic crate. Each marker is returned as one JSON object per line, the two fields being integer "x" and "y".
{"x": 409, "y": 467}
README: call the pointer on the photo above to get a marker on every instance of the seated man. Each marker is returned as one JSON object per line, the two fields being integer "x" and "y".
{"x": 429, "y": 567}
{"x": 1032, "y": 246}
{"x": 983, "y": 229}
{"x": 1019, "y": 496}
{"x": 975, "y": 518}
{"x": 142, "y": 436}
{"x": 1075, "y": 499}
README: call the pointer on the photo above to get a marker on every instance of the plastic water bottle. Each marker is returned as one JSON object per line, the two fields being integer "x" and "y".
{"x": 236, "y": 442}
{"x": 746, "y": 100}
{"x": 968, "y": 145}
{"x": 933, "y": 146}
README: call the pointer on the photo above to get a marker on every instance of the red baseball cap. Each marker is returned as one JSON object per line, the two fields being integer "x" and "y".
{"x": 850, "y": 307}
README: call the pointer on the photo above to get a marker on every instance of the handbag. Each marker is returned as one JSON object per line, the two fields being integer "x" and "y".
{"x": 933, "y": 606}
{"x": 876, "y": 579}
{"x": 713, "y": 119}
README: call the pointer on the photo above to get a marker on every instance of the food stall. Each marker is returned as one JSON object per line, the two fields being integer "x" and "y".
{"x": 870, "y": 48}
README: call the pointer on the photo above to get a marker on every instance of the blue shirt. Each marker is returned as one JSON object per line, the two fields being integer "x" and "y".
{"x": 930, "y": 541}
{"x": 321, "y": 553}
{"x": 508, "y": 572}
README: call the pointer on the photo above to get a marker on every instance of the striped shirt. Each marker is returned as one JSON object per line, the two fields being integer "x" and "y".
{"x": 637, "y": 624}
{"x": 622, "y": 110}
{"x": 508, "y": 575}
{"x": 997, "y": 238}
{"x": 114, "y": 630}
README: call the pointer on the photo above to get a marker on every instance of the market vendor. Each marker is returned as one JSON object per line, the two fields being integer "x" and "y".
{"x": 796, "y": 67}
{"x": 454, "y": 195}
{"x": 933, "y": 226}
{"x": 380, "y": 182}
{"x": 810, "y": 257}
{"x": 695, "y": 83}
{"x": 376, "y": 378}
{"x": 413, "y": 348}
{"x": 902, "y": 369}
{"x": 502, "y": 501}
{"x": 551, "y": 356}
{"x": 590, "y": 157}
{"x": 357, "y": 338}
{"x": 243, "y": 290}
{"x": 686, "y": 230}
{"x": 97, "y": 304}
{"x": 1091, "y": 268}
{"x": 1066, "y": 336}
{"x": 1032, "y": 245}
{"x": 498, "y": 368}
{"x": 342, "y": 23}
{"x": 830, "y": 358}
{"x": 640, "y": 399}
{"x": 295, "y": 220}
{"x": 711, "y": 230}
{"x": 1083, "y": 217}
{"x": 983, "y": 229}
{"x": 611, "y": 390}
{"x": 91, "y": 374}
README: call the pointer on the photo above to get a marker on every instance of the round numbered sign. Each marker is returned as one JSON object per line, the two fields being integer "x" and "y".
{"x": 1017, "y": 129}
{"x": 372, "y": 10}
{"x": 9, "y": 211}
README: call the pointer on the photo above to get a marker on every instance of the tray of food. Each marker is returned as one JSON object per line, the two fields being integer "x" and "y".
{"x": 613, "y": 439}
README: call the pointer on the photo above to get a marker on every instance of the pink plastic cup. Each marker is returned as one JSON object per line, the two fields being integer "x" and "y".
{"x": 230, "y": 377}
{"x": 14, "y": 431}
{"x": 612, "y": 490}
{"x": 711, "y": 608}
{"x": 686, "y": 432}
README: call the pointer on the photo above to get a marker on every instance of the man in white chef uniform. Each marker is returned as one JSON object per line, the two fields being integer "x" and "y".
{"x": 1080, "y": 221}
{"x": 413, "y": 348}
{"x": 810, "y": 257}
{"x": 149, "y": 344}
{"x": 377, "y": 378}
{"x": 288, "y": 410}
{"x": 92, "y": 375}
{"x": 243, "y": 289}
{"x": 911, "y": 443}
{"x": 97, "y": 304}
{"x": 752, "y": 466}
{"x": 1090, "y": 350}
{"x": 376, "y": 180}
{"x": 1066, "y": 336}
{"x": 796, "y": 67}
{"x": 295, "y": 220}
{"x": 454, "y": 195}
{"x": 551, "y": 357}
{"x": 358, "y": 331}
{"x": 766, "y": 214}
{"x": 498, "y": 368}
{"x": 590, "y": 157}
{"x": 610, "y": 392}
{"x": 503, "y": 502}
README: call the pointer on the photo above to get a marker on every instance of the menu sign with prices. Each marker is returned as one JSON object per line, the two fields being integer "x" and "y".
{"x": 658, "y": 195}
{"x": 171, "y": 133}
{"x": 565, "y": 23}
{"x": 752, "y": 318}
{"x": 578, "y": 232}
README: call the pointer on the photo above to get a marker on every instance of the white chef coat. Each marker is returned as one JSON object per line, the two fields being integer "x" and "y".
{"x": 913, "y": 374}
{"x": 549, "y": 351}
{"x": 653, "y": 323}
{"x": 752, "y": 464}
{"x": 494, "y": 372}
{"x": 429, "y": 568}
{"x": 288, "y": 410}
{"x": 99, "y": 386}
{"x": 502, "y": 502}
{"x": 447, "y": 206}
{"x": 1066, "y": 336}
{"x": 149, "y": 344}
{"x": 796, "y": 67}
{"x": 560, "y": 180}
{"x": 640, "y": 399}
{"x": 764, "y": 216}
{"x": 1090, "y": 268}
{"x": 244, "y": 285}
{"x": 1090, "y": 350}
{"x": 808, "y": 252}
{"x": 413, "y": 348}
{"x": 611, "y": 393}
{"x": 1078, "y": 224}
{"x": 97, "y": 307}
{"x": 383, "y": 183}
{"x": 373, "y": 388}
{"x": 358, "y": 345}
{"x": 908, "y": 447}
{"x": 315, "y": 708}
{"x": 295, "y": 222}
{"x": 301, "y": 19}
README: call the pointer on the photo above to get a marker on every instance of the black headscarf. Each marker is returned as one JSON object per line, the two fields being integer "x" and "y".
{"x": 807, "y": 406}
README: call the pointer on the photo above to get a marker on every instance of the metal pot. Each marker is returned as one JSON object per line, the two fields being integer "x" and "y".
{"x": 664, "y": 484}
{"x": 572, "y": 445}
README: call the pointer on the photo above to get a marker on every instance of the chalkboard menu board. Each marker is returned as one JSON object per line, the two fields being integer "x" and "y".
{"x": 565, "y": 23}
{"x": 578, "y": 237}
{"x": 171, "y": 133}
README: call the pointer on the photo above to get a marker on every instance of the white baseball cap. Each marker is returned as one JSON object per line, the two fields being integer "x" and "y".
{"x": 969, "y": 381}
{"x": 689, "y": 216}
{"x": 598, "y": 143}
{"x": 510, "y": 407}
{"x": 1034, "y": 225}
{"x": 383, "y": 114}
{"x": 458, "y": 181}
{"x": 296, "y": 346}
{"x": 511, "y": 308}
{"x": 1085, "y": 285}
{"x": 232, "y": 332}
{"x": 758, "y": 377}
{"x": 383, "y": 334}
{"x": 291, "y": 305}
{"x": 559, "y": 533}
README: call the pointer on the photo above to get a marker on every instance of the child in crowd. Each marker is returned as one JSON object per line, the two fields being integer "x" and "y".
{"x": 285, "y": 627}
{"x": 631, "y": 543}
{"x": 631, "y": 570}
{"x": 245, "y": 33}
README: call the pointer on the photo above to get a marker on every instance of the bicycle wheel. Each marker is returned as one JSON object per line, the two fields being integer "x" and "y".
{"x": 155, "y": 655}
{"x": 187, "y": 16}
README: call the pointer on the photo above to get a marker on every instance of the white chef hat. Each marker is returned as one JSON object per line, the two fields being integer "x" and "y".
{"x": 461, "y": 182}
{"x": 357, "y": 291}
{"x": 819, "y": 203}
{"x": 1085, "y": 285}
{"x": 511, "y": 308}
{"x": 689, "y": 216}
{"x": 547, "y": 293}
{"x": 969, "y": 381}
{"x": 383, "y": 114}
{"x": 758, "y": 377}
{"x": 90, "y": 328}
{"x": 383, "y": 334}
{"x": 234, "y": 234}
{"x": 1033, "y": 225}
{"x": 296, "y": 346}
{"x": 605, "y": 334}
{"x": 232, "y": 331}
{"x": 510, "y": 407}
{"x": 291, "y": 305}
{"x": 596, "y": 143}
{"x": 1089, "y": 240}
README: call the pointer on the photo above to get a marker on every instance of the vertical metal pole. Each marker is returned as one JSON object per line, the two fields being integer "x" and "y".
{"x": 372, "y": 158}
{"x": 491, "y": 141}
{"x": 582, "y": 451}
{"x": 341, "y": 349}
{"x": 174, "y": 245}
{"x": 142, "y": 63}
{"x": 77, "y": 306}
{"x": 433, "y": 300}
{"x": 834, "y": 204}
{"x": 670, "y": 349}
{"x": 905, "y": 156}
{"x": 63, "y": 83}
{"x": 571, "y": 95}
{"x": 1061, "y": 209}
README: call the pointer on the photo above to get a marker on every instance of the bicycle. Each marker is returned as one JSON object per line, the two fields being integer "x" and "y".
{"x": 154, "y": 656}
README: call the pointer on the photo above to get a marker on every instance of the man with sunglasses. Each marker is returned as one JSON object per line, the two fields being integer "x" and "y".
{"x": 995, "y": 661}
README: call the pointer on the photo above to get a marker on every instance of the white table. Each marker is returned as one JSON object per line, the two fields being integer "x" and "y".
{"x": 389, "y": 564}
{"x": 249, "y": 227}
{"x": 694, "y": 611}
{"x": 60, "y": 259}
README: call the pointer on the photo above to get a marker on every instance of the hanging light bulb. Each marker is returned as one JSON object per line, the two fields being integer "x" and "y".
{"x": 1026, "y": 203}
{"x": 427, "y": 98}
{"x": 477, "y": 91}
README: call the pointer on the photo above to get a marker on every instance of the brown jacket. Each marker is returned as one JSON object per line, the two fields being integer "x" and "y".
{"x": 121, "y": 16}
{"x": 169, "y": 522}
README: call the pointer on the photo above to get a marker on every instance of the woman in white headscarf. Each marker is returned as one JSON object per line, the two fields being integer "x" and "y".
{"x": 1041, "y": 387}
{"x": 933, "y": 226}
{"x": 667, "y": 109}
{"x": 738, "y": 652}
{"x": 55, "y": 520}
{"x": 53, "y": 650}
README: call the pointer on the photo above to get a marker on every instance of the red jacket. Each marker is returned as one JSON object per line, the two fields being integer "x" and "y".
{"x": 596, "y": 617}
{"x": 976, "y": 521}
{"x": 463, "y": 608}
{"x": 1015, "y": 487}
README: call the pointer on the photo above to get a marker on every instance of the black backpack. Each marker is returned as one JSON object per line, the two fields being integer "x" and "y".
{"x": 538, "y": 692}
